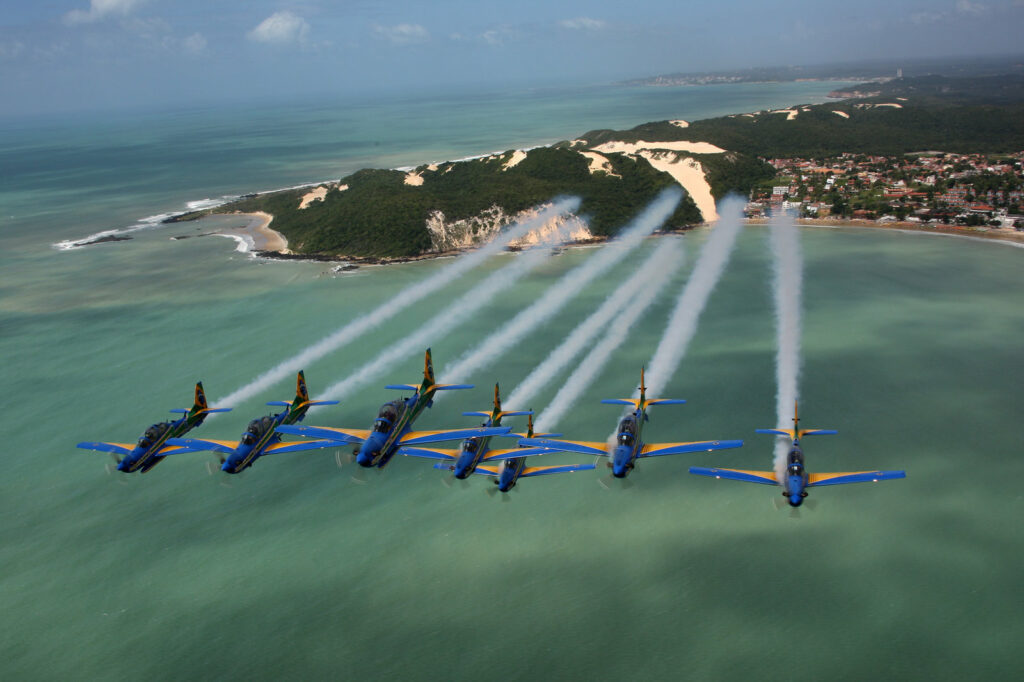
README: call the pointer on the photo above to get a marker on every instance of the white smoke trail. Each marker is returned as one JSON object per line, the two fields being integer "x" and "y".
{"x": 414, "y": 294}
{"x": 446, "y": 320}
{"x": 664, "y": 259}
{"x": 682, "y": 323}
{"x": 788, "y": 266}
{"x": 652, "y": 217}
{"x": 654, "y": 281}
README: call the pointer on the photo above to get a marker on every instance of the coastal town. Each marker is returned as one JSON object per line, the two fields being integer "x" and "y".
{"x": 976, "y": 191}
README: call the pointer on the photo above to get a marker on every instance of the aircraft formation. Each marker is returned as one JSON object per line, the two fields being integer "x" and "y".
{"x": 392, "y": 434}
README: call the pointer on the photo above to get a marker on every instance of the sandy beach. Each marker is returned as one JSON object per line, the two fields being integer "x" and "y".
{"x": 257, "y": 235}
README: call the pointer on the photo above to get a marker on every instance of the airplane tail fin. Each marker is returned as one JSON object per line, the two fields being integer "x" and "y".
{"x": 642, "y": 403}
{"x": 497, "y": 399}
{"x": 301, "y": 392}
{"x": 200, "y": 406}
{"x": 796, "y": 433}
{"x": 428, "y": 369}
{"x": 200, "y": 399}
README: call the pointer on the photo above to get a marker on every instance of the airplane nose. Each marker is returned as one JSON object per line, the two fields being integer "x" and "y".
{"x": 795, "y": 500}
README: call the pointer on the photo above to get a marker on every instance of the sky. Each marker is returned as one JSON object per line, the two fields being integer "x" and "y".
{"x": 69, "y": 55}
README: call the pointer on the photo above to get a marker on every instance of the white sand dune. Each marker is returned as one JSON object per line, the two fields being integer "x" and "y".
{"x": 790, "y": 113}
{"x": 414, "y": 179}
{"x": 599, "y": 163}
{"x": 688, "y": 173}
{"x": 517, "y": 156}
{"x": 679, "y": 146}
{"x": 317, "y": 194}
{"x": 841, "y": 113}
{"x": 681, "y": 123}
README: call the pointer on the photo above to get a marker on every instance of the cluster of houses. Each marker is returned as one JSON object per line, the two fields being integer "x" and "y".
{"x": 930, "y": 187}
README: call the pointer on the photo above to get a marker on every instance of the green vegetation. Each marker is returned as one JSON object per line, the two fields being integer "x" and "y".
{"x": 380, "y": 216}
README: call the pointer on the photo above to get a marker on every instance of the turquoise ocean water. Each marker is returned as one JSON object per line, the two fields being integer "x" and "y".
{"x": 910, "y": 348}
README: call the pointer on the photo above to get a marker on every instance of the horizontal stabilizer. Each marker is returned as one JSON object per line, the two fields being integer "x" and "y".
{"x": 555, "y": 469}
{"x": 195, "y": 444}
{"x": 420, "y": 437}
{"x": 281, "y": 448}
{"x": 635, "y": 402}
{"x": 403, "y": 387}
{"x": 765, "y": 477}
{"x": 789, "y": 433}
{"x": 116, "y": 448}
{"x": 180, "y": 410}
{"x": 665, "y": 401}
{"x": 520, "y": 413}
{"x": 853, "y": 477}
{"x": 583, "y": 447}
{"x": 658, "y": 449}
{"x": 450, "y": 387}
{"x": 476, "y": 414}
{"x": 817, "y": 432}
{"x": 512, "y": 453}
{"x": 330, "y": 433}
{"x": 210, "y": 410}
{"x": 280, "y": 403}
{"x": 443, "y": 454}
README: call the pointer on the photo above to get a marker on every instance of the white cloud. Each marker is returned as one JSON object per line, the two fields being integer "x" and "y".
{"x": 281, "y": 28}
{"x": 11, "y": 50}
{"x": 583, "y": 24}
{"x": 968, "y": 7}
{"x": 194, "y": 44}
{"x": 99, "y": 9}
{"x": 402, "y": 34}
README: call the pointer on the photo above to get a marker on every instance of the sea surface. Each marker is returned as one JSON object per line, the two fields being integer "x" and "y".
{"x": 296, "y": 569}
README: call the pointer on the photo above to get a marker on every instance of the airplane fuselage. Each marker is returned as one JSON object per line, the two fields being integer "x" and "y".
{"x": 628, "y": 443}
{"x": 248, "y": 452}
{"x": 473, "y": 451}
{"x": 794, "y": 489}
{"x": 510, "y": 472}
{"x": 381, "y": 446}
{"x": 143, "y": 457}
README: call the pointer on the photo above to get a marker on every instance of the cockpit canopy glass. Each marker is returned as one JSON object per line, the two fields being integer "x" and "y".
{"x": 796, "y": 470}
{"x": 627, "y": 432}
{"x": 470, "y": 444}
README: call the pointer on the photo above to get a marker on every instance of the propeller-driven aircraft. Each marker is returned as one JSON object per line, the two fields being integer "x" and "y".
{"x": 796, "y": 480}
{"x": 476, "y": 449}
{"x": 392, "y": 429}
{"x": 153, "y": 445}
{"x": 629, "y": 445}
{"x": 260, "y": 437}
{"x": 509, "y": 470}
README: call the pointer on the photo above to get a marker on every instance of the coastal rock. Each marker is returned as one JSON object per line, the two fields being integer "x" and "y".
{"x": 482, "y": 228}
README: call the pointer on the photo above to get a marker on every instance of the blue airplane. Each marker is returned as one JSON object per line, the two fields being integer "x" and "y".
{"x": 392, "y": 429}
{"x": 476, "y": 449}
{"x": 796, "y": 480}
{"x": 153, "y": 444}
{"x": 260, "y": 437}
{"x": 508, "y": 471}
{"x": 629, "y": 445}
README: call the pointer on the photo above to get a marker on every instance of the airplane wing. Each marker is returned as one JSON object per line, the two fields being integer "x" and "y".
{"x": 116, "y": 448}
{"x": 853, "y": 477}
{"x": 658, "y": 449}
{"x": 194, "y": 444}
{"x": 766, "y": 477}
{"x": 418, "y": 437}
{"x": 328, "y": 432}
{"x": 509, "y": 453}
{"x": 281, "y": 448}
{"x": 483, "y": 469}
{"x": 790, "y": 433}
{"x": 581, "y": 446}
{"x": 444, "y": 454}
{"x": 555, "y": 469}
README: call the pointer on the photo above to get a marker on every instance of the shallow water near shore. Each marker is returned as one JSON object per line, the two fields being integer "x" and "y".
{"x": 910, "y": 349}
